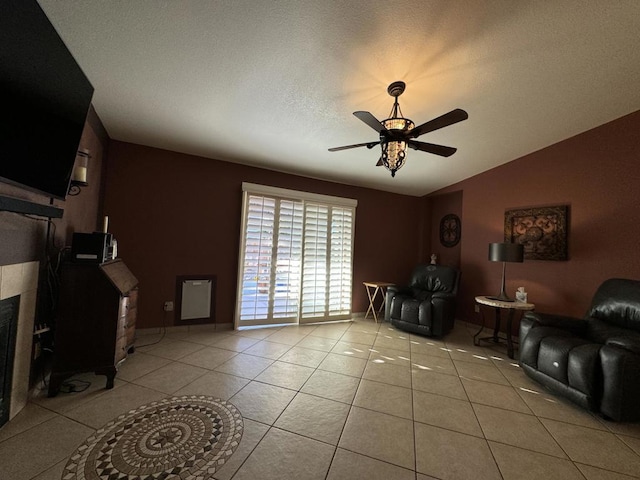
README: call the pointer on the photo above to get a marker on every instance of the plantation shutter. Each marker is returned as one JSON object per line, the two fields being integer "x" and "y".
{"x": 286, "y": 296}
{"x": 258, "y": 249}
{"x": 327, "y": 263}
{"x": 315, "y": 265}
{"x": 295, "y": 257}
{"x": 340, "y": 261}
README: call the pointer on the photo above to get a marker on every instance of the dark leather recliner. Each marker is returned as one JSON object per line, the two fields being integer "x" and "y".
{"x": 428, "y": 304}
{"x": 595, "y": 361}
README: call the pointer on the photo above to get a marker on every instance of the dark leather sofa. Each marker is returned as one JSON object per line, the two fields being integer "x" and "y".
{"x": 427, "y": 305}
{"x": 594, "y": 361}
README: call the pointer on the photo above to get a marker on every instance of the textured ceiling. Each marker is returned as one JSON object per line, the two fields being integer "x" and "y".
{"x": 274, "y": 83}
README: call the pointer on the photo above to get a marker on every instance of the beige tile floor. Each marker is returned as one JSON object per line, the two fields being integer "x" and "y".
{"x": 354, "y": 400}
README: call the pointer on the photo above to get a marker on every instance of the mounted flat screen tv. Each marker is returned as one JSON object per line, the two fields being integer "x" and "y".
{"x": 44, "y": 100}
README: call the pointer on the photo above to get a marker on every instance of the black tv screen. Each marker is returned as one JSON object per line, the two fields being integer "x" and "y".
{"x": 44, "y": 100}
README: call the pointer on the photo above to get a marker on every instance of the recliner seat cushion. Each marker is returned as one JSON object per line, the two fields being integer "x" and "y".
{"x": 553, "y": 356}
{"x": 572, "y": 361}
{"x": 585, "y": 369}
{"x": 424, "y": 313}
{"x": 530, "y": 344}
{"x": 409, "y": 312}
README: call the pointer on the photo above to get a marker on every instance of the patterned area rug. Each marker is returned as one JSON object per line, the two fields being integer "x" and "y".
{"x": 186, "y": 438}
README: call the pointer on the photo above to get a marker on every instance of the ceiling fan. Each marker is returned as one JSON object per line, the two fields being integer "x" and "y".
{"x": 397, "y": 132}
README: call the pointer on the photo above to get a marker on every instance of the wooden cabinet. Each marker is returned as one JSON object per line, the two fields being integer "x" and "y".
{"x": 95, "y": 325}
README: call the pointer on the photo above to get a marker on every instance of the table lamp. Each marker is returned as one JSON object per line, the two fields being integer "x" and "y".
{"x": 505, "y": 252}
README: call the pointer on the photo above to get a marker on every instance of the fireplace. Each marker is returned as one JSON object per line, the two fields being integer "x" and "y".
{"x": 18, "y": 291}
{"x": 8, "y": 327}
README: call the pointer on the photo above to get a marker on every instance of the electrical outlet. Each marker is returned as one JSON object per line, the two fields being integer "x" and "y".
{"x": 168, "y": 306}
{"x": 476, "y": 308}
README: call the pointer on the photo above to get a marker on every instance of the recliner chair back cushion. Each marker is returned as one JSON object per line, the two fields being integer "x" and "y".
{"x": 617, "y": 302}
{"x": 433, "y": 278}
{"x": 599, "y": 331}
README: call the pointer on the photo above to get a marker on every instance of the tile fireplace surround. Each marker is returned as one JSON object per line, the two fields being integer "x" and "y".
{"x": 21, "y": 279}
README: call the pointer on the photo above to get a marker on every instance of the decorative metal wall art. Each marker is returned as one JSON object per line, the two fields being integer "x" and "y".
{"x": 450, "y": 230}
{"x": 542, "y": 231}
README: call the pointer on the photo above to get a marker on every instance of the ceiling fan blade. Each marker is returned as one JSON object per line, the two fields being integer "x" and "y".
{"x": 379, "y": 164}
{"x": 454, "y": 116}
{"x": 370, "y": 120}
{"x": 432, "y": 148}
{"x": 346, "y": 147}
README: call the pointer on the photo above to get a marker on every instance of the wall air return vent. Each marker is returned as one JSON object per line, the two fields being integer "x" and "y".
{"x": 195, "y": 299}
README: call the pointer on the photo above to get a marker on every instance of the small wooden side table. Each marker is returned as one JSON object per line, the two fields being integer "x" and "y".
{"x": 498, "y": 305}
{"x": 372, "y": 292}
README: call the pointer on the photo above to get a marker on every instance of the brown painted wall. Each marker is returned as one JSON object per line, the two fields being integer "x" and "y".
{"x": 597, "y": 174}
{"x": 176, "y": 214}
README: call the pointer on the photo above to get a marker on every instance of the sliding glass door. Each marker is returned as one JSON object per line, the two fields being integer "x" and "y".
{"x": 295, "y": 257}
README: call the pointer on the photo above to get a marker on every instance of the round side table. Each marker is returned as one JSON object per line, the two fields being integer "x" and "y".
{"x": 499, "y": 305}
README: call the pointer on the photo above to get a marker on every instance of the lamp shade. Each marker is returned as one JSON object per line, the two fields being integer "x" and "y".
{"x": 506, "y": 252}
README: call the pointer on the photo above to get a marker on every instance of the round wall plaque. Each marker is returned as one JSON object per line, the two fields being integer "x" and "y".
{"x": 450, "y": 230}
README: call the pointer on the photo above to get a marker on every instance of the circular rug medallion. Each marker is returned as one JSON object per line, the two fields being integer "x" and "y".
{"x": 184, "y": 438}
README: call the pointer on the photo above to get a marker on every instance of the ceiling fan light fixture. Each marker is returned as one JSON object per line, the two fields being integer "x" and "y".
{"x": 396, "y": 133}
{"x": 394, "y": 152}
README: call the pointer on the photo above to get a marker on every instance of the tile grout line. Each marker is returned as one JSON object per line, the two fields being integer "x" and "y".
{"x": 413, "y": 413}
{"x": 335, "y": 447}
{"x": 361, "y": 377}
{"x": 379, "y": 334}
{"x": 351, "y": 407}
{"x": 298, "y": 391}
{"x": 270, "y": 426}
{"x": 335, "y": 451}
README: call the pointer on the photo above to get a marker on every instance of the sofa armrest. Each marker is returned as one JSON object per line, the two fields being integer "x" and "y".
{"x": 392, "y": 291}
{"x": 576, "y": 326}
{"x": 527, "y": 322}
{"x": 444, "y": 295}
{"x": 632, "y": 344}
{"x": 396, "y": 289}
{"x": 531, "y": 320}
